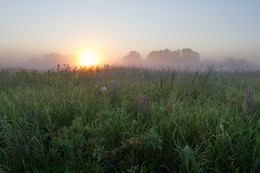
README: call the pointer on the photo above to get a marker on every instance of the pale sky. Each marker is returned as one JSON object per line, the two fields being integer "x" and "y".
{"x": 214, "y": 28}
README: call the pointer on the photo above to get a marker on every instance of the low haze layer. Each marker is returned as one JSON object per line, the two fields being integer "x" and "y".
{"x": 216, "y": 29}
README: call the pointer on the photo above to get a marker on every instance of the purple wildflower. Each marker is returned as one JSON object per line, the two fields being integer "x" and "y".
{"x": 97, "y": 95}
{"x": 31, "y": 106}
{"x": 144, "y": 100}
{"x": 169, "y": 105}
{"x": 136, "y": 91}
{"x": 248, "y": 93}
{"x": 233, "y": 101}
{"x": 68, "y": 101}
{"x": 24, "y": 100}
{"x": 26, "y": 149}
{"x": 19, "y": 100}
{"x": 249, "y": 103}
{"x": 33, "y": 139}
{"x": 59, "y": 161}
{"x": 141, "y": 99}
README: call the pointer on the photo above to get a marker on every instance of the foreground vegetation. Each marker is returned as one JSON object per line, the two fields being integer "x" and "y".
{"x": 124, "y": 119}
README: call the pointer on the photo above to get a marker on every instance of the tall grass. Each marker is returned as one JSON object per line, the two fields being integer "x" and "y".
{"x": 145, "y": 121}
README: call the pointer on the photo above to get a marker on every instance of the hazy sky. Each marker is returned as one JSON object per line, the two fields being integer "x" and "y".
{"x": 214, "y": 28}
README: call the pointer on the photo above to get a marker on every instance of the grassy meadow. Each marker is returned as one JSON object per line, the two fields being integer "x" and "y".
{"x": 128, "y": 119}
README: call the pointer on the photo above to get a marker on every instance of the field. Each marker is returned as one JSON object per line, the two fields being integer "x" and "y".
{"x": 128, "y": 119}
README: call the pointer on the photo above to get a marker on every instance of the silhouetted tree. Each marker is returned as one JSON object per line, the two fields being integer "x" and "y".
{"x": 167, "y": 57}
{"x": 189, "y": 56}
{"x": 132, "y": 58}
{"x": 52, "y": 59}
{"x": 161, "y": 55}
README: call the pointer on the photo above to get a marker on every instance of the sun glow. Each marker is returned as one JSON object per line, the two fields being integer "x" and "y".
{"x": 88, "y": 59}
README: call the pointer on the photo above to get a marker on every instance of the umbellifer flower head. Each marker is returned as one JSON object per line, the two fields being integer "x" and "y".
{"x": 103, "y": 89}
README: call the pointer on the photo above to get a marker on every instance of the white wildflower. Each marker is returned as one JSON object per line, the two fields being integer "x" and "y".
{"x": 103, "y": 89}
{"x": 113, "y": 82}
{"x": 187, "y": 149}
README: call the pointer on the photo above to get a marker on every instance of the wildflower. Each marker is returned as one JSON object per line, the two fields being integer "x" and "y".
{"x": 141, "y": 99}
{"x": 144, "y": 100}
{"x": 136, "y": 92}
{"x": 249, "y": 103}
{"x": 169, "y": 105}
{"x": 32, "y": 104}
{"x": 233, "y": 101}
{"x": 103, "y": 89}
{"x": 68, "y": 101}
{"x": 187, "y": 149}
{"x": 134, "y": 141}
{"x": 249, "y": 99}
{"x": 26, "y": 149}
{"x": 248, "y": 93}
{"x": 59, "y": 161}
{"x": 24, "y": 100}
{"x": 19, "y": 100}
{"x": 97, "y": 95}
{"x": 33, "y": 139}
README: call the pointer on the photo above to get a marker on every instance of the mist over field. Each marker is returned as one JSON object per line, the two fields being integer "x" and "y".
{"x": 130, "y": 86}
{"x": 166, "y": 33}
{"x": 185, "y": 58}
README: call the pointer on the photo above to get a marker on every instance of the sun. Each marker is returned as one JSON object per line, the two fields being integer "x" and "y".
{"x": 88, "y": 59}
